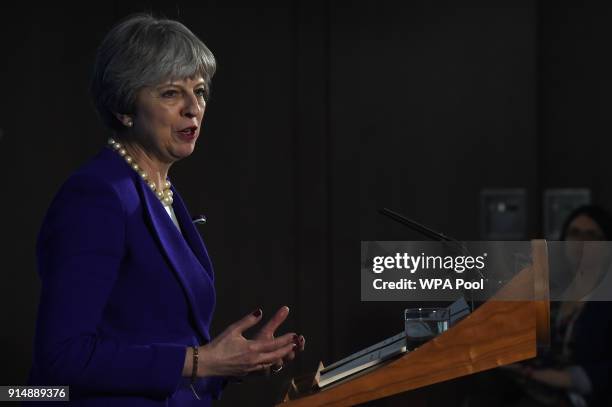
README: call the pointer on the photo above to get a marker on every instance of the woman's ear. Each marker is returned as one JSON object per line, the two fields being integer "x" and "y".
{"x": 125, "y": 119}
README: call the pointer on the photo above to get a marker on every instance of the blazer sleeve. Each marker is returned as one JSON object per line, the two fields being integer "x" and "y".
{"x": 80, "y": 248}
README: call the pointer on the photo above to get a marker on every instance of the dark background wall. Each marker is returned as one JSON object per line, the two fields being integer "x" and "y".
{"x": 575, "y": 88}
{"x": 321, "y": 113}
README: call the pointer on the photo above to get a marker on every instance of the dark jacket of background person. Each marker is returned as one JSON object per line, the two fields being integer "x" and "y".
{"x": 592, "y": 349}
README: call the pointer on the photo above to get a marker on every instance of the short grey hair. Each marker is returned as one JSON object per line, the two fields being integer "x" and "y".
{"x": 140, "y": 51}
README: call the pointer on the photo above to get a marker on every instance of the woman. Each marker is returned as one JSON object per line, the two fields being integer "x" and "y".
{"x": 576, "y": 370}
{"x": 127, "y": 285}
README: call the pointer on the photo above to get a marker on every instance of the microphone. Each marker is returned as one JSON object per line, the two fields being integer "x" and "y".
{"x": 430, "y": 233}
{"x": 424, "y": 230}
{"x": 449, "y": 242}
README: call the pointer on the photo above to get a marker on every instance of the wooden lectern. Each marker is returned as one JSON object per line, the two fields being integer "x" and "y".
{"x": 499, "y": 332}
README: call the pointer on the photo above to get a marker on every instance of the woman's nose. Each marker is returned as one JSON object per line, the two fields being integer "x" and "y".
{"x": 192, "y": 106}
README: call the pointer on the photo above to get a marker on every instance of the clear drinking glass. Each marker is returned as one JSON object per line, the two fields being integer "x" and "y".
{"x": 423, "y": 324}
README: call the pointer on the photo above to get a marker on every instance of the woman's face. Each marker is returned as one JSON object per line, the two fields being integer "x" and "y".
{"x": 168, "y": 118}
{"x": 584, "y": 228}
{"x": 585, "y": 256}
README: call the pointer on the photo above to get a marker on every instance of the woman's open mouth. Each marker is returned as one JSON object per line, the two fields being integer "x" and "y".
{"x": 188, "y": 133}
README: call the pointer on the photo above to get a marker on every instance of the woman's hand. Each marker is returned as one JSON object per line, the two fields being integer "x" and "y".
{"x": 560, "y": 378}
{"x": 267, "y": 333}
{"x": 231, "y": 354}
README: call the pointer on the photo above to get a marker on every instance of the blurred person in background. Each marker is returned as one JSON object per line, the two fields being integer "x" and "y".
{"x": 576, "y": 370}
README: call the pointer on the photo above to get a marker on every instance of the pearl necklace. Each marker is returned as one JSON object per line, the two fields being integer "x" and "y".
{"x": 165, "y": 195}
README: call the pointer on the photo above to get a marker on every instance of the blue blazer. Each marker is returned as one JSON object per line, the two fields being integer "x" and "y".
{"x": 123, "y": 294}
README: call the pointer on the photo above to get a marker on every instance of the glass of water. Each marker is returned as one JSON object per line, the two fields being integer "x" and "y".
{"x": 423, "y": 324}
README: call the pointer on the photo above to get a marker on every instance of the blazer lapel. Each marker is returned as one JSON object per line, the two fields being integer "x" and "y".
{"x": 191, "y": 234}
{"x": 200, "y": 293}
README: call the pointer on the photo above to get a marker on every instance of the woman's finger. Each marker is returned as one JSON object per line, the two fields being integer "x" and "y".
{"x": 258, "y": 367}
{"x": 270, "y": 345}
{"x": 247, "y": 322}
{"x": 271, "y": 357}
{"x": 267, "y": 331}
{"x": 290, "y": 356}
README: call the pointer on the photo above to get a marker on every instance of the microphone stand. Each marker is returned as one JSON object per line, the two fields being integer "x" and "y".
{"x": 448, "y": 241}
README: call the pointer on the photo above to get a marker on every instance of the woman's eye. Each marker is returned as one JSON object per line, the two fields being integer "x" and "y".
{"x": 169, "y": 93}
{"x": 201, "y": 92}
